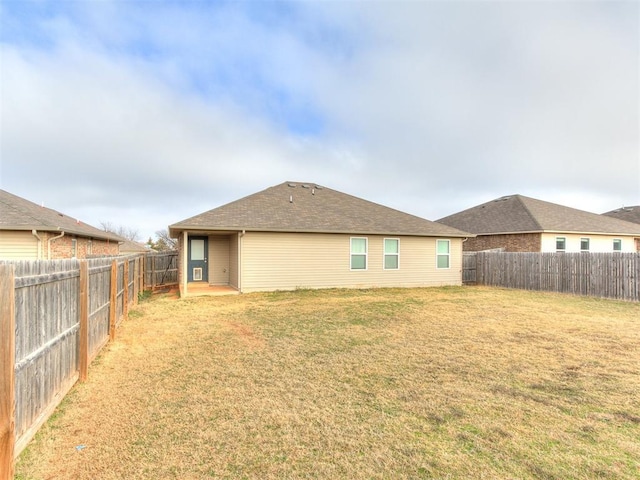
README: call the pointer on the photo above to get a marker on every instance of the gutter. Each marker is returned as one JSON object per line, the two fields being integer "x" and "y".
{"x": 49, "y": 244}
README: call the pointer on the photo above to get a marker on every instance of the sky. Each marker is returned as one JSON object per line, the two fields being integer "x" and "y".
{"x": 142, "y": 113}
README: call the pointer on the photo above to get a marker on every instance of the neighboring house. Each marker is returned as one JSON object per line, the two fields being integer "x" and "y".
{"x": 30, "y": 232}
{"x": 301, "y": 235}
{"x": 628, "y": 214}
{"x": 129, "y": 247}
{"x": 516, "y": 223}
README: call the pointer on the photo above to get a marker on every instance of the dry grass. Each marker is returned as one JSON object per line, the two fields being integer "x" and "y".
{"x": 417, "y": 383}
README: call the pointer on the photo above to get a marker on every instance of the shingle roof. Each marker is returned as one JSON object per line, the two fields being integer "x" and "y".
{"x": 628, "y": 214}
{"x": 518, "y": 214}
{"x": 16, "y": 213}
{"x": 308, "y": 207}
{"x": 129, "y": 246}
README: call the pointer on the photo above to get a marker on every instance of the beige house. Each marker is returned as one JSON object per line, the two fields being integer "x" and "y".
{"x": 516, "y": 223}
{"x": 32, "y": 232}
{"x": 628, "y": 214}
{"x": 302, "y": 235}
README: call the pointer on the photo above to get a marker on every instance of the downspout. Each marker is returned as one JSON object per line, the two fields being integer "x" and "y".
{"x": 49, "y": 244}
{"x": 35, "y": 234}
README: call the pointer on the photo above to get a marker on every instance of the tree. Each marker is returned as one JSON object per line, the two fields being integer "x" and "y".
{"x": 124, "y": 232}
{"x": 163, "y": 242}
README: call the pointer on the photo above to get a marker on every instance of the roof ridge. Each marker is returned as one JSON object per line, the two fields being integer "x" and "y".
{"x": 527, "y": 209}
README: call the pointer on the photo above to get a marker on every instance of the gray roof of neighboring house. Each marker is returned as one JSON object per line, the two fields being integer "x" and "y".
{"x": 628, "y": 214}
{"x": 129, "y": 246}
{"x": 16, "y": 213}
{"x": 308, "y": 207}
{"x": 519, "y": 214}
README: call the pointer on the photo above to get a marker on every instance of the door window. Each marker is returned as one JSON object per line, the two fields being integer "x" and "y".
{"x": 197, "y": 249}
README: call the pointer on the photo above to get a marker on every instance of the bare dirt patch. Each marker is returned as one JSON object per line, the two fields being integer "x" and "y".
{"x": 416, "y": 383}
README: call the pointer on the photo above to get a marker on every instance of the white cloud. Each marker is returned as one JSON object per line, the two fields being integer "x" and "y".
{"x": 430, "y": 107}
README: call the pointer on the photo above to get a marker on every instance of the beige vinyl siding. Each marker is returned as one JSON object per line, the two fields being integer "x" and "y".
{"x": 17, "y": 245}
{"x": 233, "y": 260}
{"x": 286, "y": 261}
{"x": 597, "y": 243}
{"x": 218, "y": 262}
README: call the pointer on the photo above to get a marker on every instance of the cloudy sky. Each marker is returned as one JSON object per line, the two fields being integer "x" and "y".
{"x": 143, "y": 113}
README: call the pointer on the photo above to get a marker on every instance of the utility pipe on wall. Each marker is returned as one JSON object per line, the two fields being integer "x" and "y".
{"x": 49, "y": 244}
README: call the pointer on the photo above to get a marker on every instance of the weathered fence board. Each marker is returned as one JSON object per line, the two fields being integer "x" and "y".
{"x": 161, "y": 269}
{"x": 606, "y": 275}
{"x": 469, "y": 268}
{"x": 7, "y": 372}
{"x": 60, "y": 314}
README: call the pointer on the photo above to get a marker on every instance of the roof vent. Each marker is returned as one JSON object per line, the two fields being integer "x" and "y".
{"x": 292, "y": 185}
{"x": 305, "y": 186}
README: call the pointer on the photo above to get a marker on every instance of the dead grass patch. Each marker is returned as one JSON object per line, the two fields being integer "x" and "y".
{"x": 416, "y": 383}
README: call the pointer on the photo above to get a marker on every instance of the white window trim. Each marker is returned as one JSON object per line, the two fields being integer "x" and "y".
{"x": 448, "y": 254}
{"x": 565, "y": 244}
{"x": 366, "y": 254}
{"x": 619, "y": 240}
{"x": 582, "y": 239}
{"x": 384, "y": 254}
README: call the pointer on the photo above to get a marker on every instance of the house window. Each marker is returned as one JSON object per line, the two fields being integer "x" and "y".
{"x": 617, "y": 245}
{"x": 358, "y": 253}
{"x": 89, "y": 247}
{"x": 561, "y": 244}
{"x": 584, "y": 244}
{"x": 391, "y": 254}
{"x": 74, "y": 248}
{"x": 443, "y": 249}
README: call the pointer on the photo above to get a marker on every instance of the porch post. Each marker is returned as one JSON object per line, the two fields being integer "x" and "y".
{"x": 184, "y": 259}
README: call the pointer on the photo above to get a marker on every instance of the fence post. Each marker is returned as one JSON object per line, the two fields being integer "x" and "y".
{"x": 153, "y": 272}
{"x": 125, "y": 292}
{"x": 136, "y": 283}
{"x": 84, "y": 321}
{"x": 143, "y": 273}
{"x": 7, "y": 366}
{"x": 113, "y": 308}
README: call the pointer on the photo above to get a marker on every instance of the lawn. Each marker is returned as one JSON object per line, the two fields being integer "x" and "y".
{"x": 441, "y": 383}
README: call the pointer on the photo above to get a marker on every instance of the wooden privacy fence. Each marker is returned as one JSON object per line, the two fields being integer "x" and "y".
{"x": 161, "y": 269}
{"x": 606, "y": 275}
{"x": 55, "y": 317}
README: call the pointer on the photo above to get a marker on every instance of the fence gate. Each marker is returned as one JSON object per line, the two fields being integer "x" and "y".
{"x": 469, "y": 268}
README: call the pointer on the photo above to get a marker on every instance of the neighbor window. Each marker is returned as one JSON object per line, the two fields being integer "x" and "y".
{"x": 443, "y": 249}
{"x": 74, "y": 248}
{"x": 358, "y": 253}
{"x": 584, "y": 244}
{"x": 561, "y": 244}
{"x": 617, "y": 245}
{"x": 391, "y": 253}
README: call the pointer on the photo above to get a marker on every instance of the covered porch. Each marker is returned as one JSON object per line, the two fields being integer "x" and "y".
{"x": 209, "y": 263}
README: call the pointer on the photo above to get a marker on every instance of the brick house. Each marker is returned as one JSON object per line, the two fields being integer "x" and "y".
{"x": 516, "y": 223}
{"x": 32, "y": 232}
